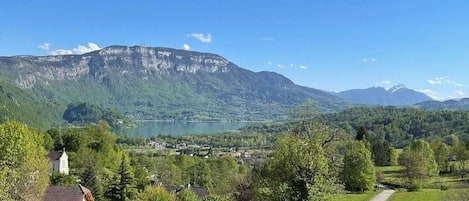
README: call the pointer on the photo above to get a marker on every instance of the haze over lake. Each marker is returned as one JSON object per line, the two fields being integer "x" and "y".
{"x": 150, "y": 128}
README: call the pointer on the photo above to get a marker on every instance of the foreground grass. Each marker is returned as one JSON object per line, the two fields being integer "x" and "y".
{"x": 423, "y": 195}
{"x": 356, "y": 196}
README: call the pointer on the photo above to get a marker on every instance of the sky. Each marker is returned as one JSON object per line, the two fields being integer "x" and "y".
{"x": 329, "y": 45}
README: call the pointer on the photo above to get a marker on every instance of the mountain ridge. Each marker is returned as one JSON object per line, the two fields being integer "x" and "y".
{"x": 162, "y": 83}
{"x": 398, "y": 95}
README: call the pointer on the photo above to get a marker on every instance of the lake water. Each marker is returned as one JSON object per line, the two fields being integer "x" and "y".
{"x": 150, "y": 128}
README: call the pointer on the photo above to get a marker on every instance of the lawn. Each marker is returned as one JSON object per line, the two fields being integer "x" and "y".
{"x": 356, "y": 196}
{"x": 423, "y": 195}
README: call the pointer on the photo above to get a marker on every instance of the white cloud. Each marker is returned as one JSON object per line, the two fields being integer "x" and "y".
{"x": 460, "y": 93}
{"x": 81, "y": 49}
{"x": 186, "y": 47}
{"x": 280, "y": 65}
{"x": 201, "y": 37}
{"x": 44, "y": 46}
{"x": 438, "y": 80}
{"x": 372, "y": 59}
{"x": 303, "y": 67}
{"x": 433, "y": 94}
{"x": 440, "y": 97}
{"x": 386, "y": 82}
{"x": 456, "y": 84}
{"x": 292, "y": 65}
{"x": 444, "y": 80}
{"x": 269, "y": 63}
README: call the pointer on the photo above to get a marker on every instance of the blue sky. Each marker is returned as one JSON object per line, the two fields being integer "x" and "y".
{"x": 329, "y": 45}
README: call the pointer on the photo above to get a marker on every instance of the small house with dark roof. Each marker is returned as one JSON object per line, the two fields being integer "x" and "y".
{"x": 68, "y": 193}
{"x": 58, "y": 161}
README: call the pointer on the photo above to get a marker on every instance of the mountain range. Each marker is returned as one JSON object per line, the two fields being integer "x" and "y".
{"x": 161, "y": 83}
{"x": 170, "y": 84}
{"x": 398, "y": 95}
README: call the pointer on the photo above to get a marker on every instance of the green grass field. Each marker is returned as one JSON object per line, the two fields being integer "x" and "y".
{"x": 423, "y": 195}
{"x": 392, "y": 176}
{"x": 356, "y": 196}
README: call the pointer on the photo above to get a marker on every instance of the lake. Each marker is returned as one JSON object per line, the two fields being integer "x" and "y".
{"x": 150, "y": 128}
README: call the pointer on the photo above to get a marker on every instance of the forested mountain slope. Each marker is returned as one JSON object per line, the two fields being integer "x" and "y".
{"x": 162, "y": 83}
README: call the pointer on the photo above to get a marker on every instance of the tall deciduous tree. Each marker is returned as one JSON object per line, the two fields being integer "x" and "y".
{"x": 419, "y": 163}
{"x": 358, "y": 171}
{"x": 441, "y": 152}
{"x": 299, "y": 169}
{"x": 23, "y": 163}
{"x": 157, "y": 193}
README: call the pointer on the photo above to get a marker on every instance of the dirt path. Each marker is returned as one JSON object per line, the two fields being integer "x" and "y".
{"x": 383, "y": 196}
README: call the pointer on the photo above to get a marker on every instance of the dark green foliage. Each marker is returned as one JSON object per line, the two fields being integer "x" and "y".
{"x": 381, "y": 152}
{"x": 59, "y": 179}
{"x": 84, "y": 113}
{"x": 362, "y": 134}
{"x": 90, "y": 180}
{"x": 398, "y": 126}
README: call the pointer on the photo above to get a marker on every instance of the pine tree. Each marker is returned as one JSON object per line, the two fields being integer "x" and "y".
{"x": 362, "y": 134}
{"x": 90, "y": 181}
{"x": 123, "y": 186}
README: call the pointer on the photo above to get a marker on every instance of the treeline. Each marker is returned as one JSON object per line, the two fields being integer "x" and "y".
{"x": 85, "y": 113}
{"x": 398, "y": 126}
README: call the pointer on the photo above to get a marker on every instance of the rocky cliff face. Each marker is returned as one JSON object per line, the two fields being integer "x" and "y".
{"x": 142, "y": 61}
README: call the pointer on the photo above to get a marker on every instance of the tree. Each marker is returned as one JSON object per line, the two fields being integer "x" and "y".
{"x": 299, "y": 168}
{"x": 157, "y": 193}
{"x": 460, "y": 152}
{"x": 59, "y": 179}
{"x": 201, "y": 174}
{"x": 381, "y": 152}
{"x": 90, "y": 180}
{"x": 362, "y": 134}
{"x": 123, "y": 188}
{"x": 441, "y": 152}
{"x": 23, "y": 164}
{"x": 358, "y": 171}
{"x": 186, "y": 195}
{"x": 419, "y": 163}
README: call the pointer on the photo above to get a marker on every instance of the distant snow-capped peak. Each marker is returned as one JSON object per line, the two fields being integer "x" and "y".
{"x": 397, "y": 88}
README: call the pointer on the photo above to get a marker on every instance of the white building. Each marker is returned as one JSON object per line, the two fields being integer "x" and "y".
{"x": 58, "y": 161}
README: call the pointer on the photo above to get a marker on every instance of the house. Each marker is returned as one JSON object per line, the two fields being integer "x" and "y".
{"x": 58, "y": 161}
{"x": 68, "y": 193}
